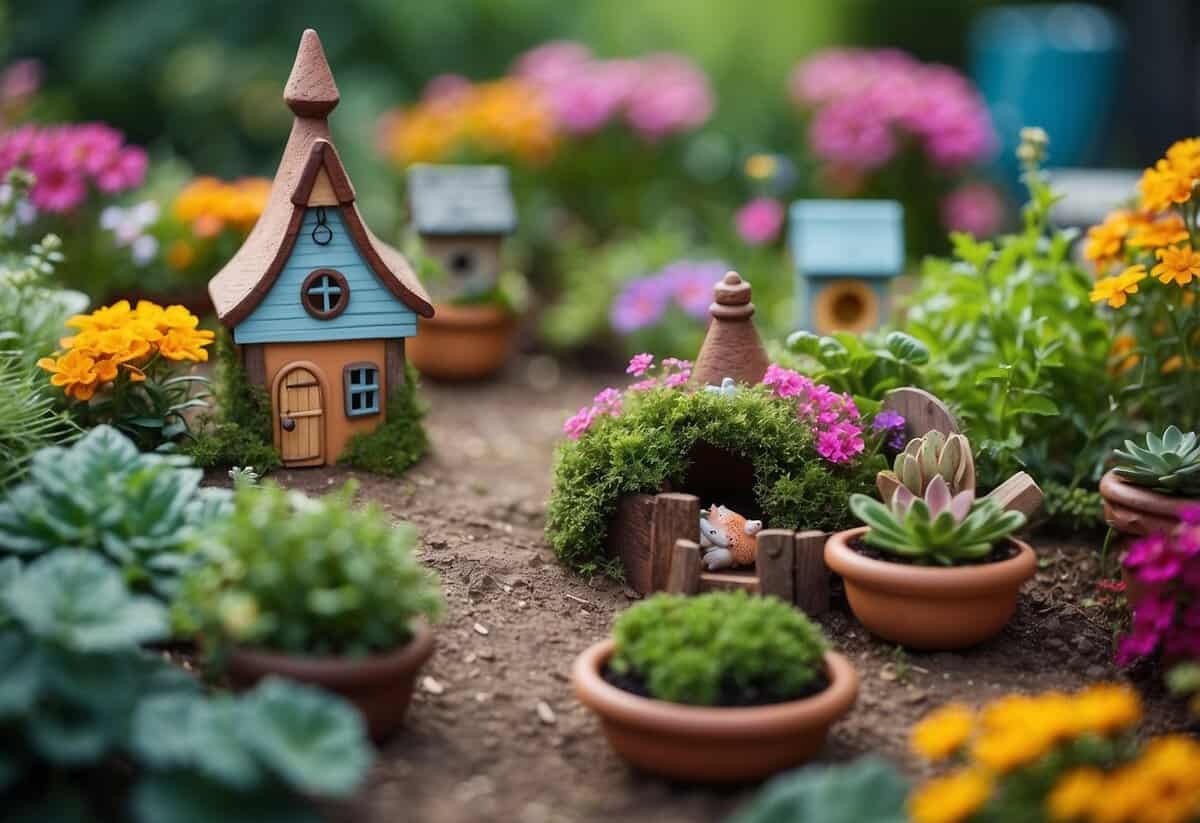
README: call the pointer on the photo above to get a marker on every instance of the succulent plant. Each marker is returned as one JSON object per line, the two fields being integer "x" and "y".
{"x": 936, "y": 453}
{"x": 1170, "y": 464}
{"x": 939, "y": 528}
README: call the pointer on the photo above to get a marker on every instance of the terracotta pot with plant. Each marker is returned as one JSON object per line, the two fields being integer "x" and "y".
{"x": 934, "y": 568}
{"x": 1150, "y": 485}
{"x": 719, "y": 688}
{"x": 316, "y": 591}
{"x": 463, "y": 341}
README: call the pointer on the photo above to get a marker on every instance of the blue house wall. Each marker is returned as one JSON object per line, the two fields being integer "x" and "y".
{"x": 372, "y": 313}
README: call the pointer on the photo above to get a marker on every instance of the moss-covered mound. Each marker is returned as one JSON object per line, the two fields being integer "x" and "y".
{"x": 648, "y": 444}
{"x": 400, "y": 442}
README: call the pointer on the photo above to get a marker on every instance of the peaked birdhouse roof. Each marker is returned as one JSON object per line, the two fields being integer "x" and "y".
{"x": 461, "y": 199}
{"x": 310, "y": 174}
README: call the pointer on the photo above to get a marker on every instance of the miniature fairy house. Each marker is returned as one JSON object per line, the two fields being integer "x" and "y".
{"x": 845, "y": 253}
{"x": 461, "y": 215}
{"x": 318, "y": 307}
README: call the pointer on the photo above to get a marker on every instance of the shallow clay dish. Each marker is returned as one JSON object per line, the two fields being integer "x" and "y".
{"x": 462, "y": 342}
{"x": 932, "y": 608}
{"x": 380, "y": 686}
{"x": 703, "y": 744}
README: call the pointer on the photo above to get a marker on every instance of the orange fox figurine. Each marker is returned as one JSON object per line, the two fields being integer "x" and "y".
{"x": 727, "y": 539}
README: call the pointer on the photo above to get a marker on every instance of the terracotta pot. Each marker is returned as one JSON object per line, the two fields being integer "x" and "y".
{"x": 932, "y": 608}
{"x": 462, "y": 342}
{"x": 1135, "y": 511}
{"x": 712, "y": 744}
{"x": 380, "y": 686}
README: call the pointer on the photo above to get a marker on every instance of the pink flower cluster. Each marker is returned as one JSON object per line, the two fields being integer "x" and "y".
{"x": 834, "y": 419}
{"x": 1166, "y": 616}
{"x": 759, "y": 221}
{"x": 673, "y": 373}
{"x": 65, "y": 159}
{"x": 974, "y": 208}
{"x": 868, "y": 103}
{"x": 657, "y": 95}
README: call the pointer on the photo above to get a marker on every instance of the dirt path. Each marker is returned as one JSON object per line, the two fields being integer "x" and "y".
{"x": 476, "y": 747}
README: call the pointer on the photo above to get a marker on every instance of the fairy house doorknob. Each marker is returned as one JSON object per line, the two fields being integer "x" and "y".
{"x": 318, "y": 307}
{"x": 845, "y": 252}
{"x": 461, "y": 215}
{"x": 732, "y": 347}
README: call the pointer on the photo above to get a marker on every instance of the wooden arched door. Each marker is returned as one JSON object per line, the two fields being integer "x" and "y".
{"x": 300, "y": 416}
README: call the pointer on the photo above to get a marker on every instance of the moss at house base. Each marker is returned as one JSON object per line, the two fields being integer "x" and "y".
{"x": 400, "y": 442}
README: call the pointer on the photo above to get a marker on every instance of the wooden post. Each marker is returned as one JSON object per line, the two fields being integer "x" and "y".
{"x": 812, "y": 575}
{"x": 775, "y": 564}
{"x": 1019, "y": 493}
{"x": 922, "y": 412}
{"x": 254, "y": 360}
{"x": 629, "y": 539}
{"x": 685, "y": 568}
{"x": 675, "y": 516}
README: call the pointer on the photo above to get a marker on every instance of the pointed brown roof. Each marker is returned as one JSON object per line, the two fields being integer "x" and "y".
{"x": 309, "y": 160}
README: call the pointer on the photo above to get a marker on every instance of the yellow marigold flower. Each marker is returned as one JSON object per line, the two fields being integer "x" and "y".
{"x": 1125, "y": 797}
{"x": 208, "y": 204}
{"x": 106, "y": 317}
{"x": 1184, "y": 157}
{"x": 1107, "y": 708}
{"x": 950, "y": 799}
{"x": 180, "y": 255}
{"x": 1163, "y": 186}
{"x": 181, "y": 344}
{"x": 1149, "y": 234}
{"x": 1104, "y": 241}
{"x": 1121, "y": 358}
{"x": 74, "y": 372}
{"x": 943, "y": 732}
{"x": 1116, "y": 289}
{"x": 1172, "y": 364}
{"x": 1074, "y": 794}
{"x": 1177, "y": 265}
{"x": 1001, "y": 752}
{"x": 1173, "y": 758}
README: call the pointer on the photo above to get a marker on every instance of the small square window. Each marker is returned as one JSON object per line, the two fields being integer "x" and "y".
{"x": 362, "y": 389}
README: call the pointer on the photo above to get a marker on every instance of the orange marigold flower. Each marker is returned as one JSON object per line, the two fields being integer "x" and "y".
{"x": 1117, "y": 288}
{"x": 1177, "y": 265}
{"x": 1121, "y": 357}
{"x": 1184, "y": 157}
{"x": 950, "y": 799}
{"x": 1163, "y": 232}
{"x": 943, "y": 732}
{"x": 1105, "y": 241}
{"x": 74, "y": 372}
{"x": 1106, "y": 708}
{"x": 180, "y": 255}
{"x": 1172, "y": 364}
{"x": 1074, "y": 794}
{"x": 180, "y": 344}
{"x": 1163, "y": 186}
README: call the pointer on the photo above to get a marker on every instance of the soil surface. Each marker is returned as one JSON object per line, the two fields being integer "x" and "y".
{"x": 495, "y": 732}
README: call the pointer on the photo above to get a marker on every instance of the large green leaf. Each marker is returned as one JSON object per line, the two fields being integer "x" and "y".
{"x": 197, "y": 733}
{"x": 20, "y": 665}
{"x": 312, "y": 740}
{"x": 869, "y": 790}
{"x": 179, "y": 797}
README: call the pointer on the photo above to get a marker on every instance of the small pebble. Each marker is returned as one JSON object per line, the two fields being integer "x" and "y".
{"x": 481, "y": 629}
{"x": 432, "y": 686}
{"x": 546, "y": 713}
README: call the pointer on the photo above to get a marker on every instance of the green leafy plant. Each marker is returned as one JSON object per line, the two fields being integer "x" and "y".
{"x": 868, "y": 790}
{"x": 306, "y": 576}
{"x": 1014, "y": 343}
{"x": 238, "y": 431}
{"x": 865, "y": 367}
{"x": 400, "y": 443}
{"x": 1169, "y": 464}
{"x": 924, "y": 458}
{"x": 697, "y": 650}
{"x": 95, "y": 728}
{"x": 648, "y": 445}
{"x": 138, "y": 511}
{"x": 1073, "y": 510}
{"x": 29, "y": 418}
{"x": 937, "y": 529}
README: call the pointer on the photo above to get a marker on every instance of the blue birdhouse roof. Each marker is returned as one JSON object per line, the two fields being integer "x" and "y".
{"x": 461, "y": 199}
{"x": 861, "y": 238}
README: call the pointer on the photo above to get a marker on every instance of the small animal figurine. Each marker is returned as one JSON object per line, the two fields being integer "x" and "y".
{"x": 727, "y": 539}
{"x": 728, "y": 388}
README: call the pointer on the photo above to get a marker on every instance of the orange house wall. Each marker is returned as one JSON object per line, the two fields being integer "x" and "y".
{"x": 330, "y": 358}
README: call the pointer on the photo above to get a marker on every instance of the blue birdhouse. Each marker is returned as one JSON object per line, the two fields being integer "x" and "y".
{"x": 845, "y": 253}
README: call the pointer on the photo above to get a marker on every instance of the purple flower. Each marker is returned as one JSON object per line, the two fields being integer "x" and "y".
{"x": 891, "y": 425}
{"x": 639, "y": 364}
{"x": 641, "y": 304}
{"x": 608, "y": 401}
{"x": 690, "y": 283}
{"x": 759, "y": 221}
{"x": 974, "y": 208}
{"x": 677, "y": 379}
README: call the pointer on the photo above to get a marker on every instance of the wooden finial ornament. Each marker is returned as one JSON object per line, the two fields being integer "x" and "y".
{"x": 310, "y": 89}
{"x": 732, "y": 347}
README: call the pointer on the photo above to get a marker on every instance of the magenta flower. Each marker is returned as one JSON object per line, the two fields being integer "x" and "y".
{"x": 126, "y": 171}
{"x": 639, "y": 364}
{"x": 57, "y": 189}
{"x": 551, "y": 62}
{"x": 759, "y": 221}
{"x": 849, "y": 132}
{"x": 974, "y": 208}
{"x": 580, "y": 422}
{"x": 1153, "y": 559}
{"x": 786, "y": 383}
{"x": 608, "y": 401}
{"x": 673, "y": 96}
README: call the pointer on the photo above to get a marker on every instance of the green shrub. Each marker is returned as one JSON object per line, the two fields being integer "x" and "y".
{"x": 29, "y": 419}
{"x": 1073, "y": 509}
{"x": 306, "y": 576}
{"x": 866, "y": 367}
{"x": 869, "y": 790}
{"x": 137, "y": 510}
{"x": 694, "y": 649}
{"x": 239, "y": 432}
{"x": 648, "y": 445}
{"x": 85, "y": 713}
{"x": 400, "y": 443}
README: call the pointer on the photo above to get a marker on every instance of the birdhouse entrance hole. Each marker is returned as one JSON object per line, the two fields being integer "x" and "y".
{"x": 846, "y": 305}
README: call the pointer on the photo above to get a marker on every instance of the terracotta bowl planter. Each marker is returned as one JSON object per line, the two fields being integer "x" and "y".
{"x": 930, "y": 608}
{"x": 1135, "y": 511}
{"x": 462, "y": 342}
{"x": 704, "y": 744}
{"x": 380, "y": 686}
